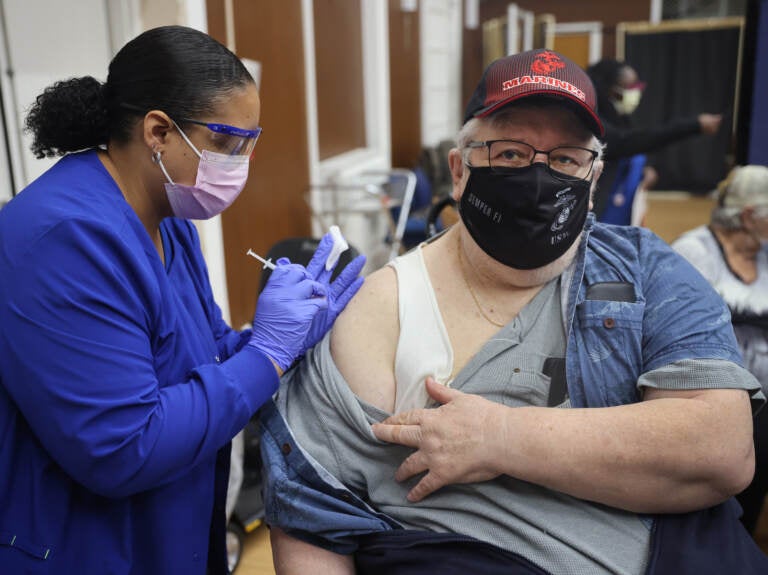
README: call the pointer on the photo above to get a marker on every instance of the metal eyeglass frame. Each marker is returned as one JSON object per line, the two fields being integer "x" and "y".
{"x": 477, "y": 144}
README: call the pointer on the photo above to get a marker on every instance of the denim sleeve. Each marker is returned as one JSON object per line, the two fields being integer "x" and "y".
{"x": 684, "y": 317}
{"x": 306, "y": 501}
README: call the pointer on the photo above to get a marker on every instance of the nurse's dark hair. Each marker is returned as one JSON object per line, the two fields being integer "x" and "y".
{"x": 181, "y": 71}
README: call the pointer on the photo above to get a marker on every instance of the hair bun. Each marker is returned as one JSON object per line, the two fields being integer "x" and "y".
{"x": 68, "y": 116}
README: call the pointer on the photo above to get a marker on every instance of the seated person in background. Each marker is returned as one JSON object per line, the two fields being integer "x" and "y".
{"x": 730, "y": 253}
{"x": 584, "y": 397}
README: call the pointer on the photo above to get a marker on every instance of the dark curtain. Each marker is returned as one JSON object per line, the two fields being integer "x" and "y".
{"x": 687, "y": 73}
{"x": 757, "y": 112}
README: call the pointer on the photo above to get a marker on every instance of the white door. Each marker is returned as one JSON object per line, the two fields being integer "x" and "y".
{"x": 44, "y": 41}
{"x": 441, "y": 105}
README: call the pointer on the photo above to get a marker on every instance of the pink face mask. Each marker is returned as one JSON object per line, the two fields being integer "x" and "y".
{"x": 220, "y": 179}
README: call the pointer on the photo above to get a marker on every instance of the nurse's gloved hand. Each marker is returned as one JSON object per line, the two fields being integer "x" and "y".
{"x": 285, "y": 311}
{"x": 339, "y": 292}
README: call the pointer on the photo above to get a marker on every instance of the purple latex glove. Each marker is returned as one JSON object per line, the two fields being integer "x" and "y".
{"x": 339, "y": 292}
{"x": 284, "y": 312}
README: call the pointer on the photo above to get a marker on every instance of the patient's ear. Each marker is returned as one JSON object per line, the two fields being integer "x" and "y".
{"x": 458, "y": 169}
{"x": 597, "y": 168}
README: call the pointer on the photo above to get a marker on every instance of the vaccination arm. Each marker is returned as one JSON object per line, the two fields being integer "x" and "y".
{"x": 371, "y": 312}
{"x": 295, "y": 557}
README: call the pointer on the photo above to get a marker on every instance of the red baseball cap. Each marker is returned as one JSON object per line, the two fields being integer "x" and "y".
{"x": 539, "y": 73}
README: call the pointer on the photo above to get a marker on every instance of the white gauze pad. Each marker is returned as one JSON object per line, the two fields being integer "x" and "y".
{"x": 339, "y": 246}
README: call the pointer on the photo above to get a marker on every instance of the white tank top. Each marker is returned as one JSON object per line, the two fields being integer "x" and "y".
{"x": 423, "y": 347}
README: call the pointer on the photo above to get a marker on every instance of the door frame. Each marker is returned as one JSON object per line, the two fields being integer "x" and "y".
{"x": 593, "y": 29}
{"x": 376, "y": 154}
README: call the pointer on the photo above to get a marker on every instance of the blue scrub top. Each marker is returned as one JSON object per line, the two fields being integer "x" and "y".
{"x": 119, "y": 386}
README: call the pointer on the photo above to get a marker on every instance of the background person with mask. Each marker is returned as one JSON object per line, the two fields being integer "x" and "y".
{"x": 731, "y": 253}
{"x": 120, "y": 383}
{"x": 522, "y": 394}
{"x": 619, "y": 91}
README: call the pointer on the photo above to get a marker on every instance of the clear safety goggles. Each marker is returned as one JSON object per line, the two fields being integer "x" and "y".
{"x": 227, "y": 139}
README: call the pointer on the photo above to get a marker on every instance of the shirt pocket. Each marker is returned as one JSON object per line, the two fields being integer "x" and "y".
{"x": 515, "y": 381}
{"x": 613, "y": 338}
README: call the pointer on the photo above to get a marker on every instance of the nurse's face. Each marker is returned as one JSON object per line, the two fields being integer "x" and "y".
{"x": 238, "y": 113}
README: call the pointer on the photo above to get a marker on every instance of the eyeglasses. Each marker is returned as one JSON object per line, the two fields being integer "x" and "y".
{"x": 569, "y": 162}
{"x": 228, "y": 139}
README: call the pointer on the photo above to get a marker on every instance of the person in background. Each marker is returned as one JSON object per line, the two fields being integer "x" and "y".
{"x": 731, "y": 254}
{"x": 531, "y": 392}
{"x": 619, "y": 90}
{"x": 120, "y": 384}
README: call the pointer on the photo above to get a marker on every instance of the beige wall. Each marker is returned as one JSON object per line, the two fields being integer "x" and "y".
{"x": 161, "y": 13}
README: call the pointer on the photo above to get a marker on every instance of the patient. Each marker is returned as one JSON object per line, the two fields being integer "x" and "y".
{"x": 592, "y": 396}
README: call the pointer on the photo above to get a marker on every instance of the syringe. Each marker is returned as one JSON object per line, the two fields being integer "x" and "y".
{"x": 267, "y": 263}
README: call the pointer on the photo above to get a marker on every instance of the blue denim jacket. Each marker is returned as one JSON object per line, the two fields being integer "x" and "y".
{"x": 667, "y": 312}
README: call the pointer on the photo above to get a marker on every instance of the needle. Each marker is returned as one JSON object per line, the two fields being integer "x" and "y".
{"x": 267, "y": 263}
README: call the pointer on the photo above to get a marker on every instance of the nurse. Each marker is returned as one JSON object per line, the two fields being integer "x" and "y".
{"x": 120, "y": 383}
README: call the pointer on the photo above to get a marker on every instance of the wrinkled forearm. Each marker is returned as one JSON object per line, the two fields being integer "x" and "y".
{"x": 668, "y": 454}
{"x": 294, "y": 557}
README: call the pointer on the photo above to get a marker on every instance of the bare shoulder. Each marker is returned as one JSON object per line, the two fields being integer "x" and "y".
{"x": 364, "y": 339}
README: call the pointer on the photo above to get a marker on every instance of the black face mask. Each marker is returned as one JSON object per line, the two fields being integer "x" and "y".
{"x": 524, "y": 218}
